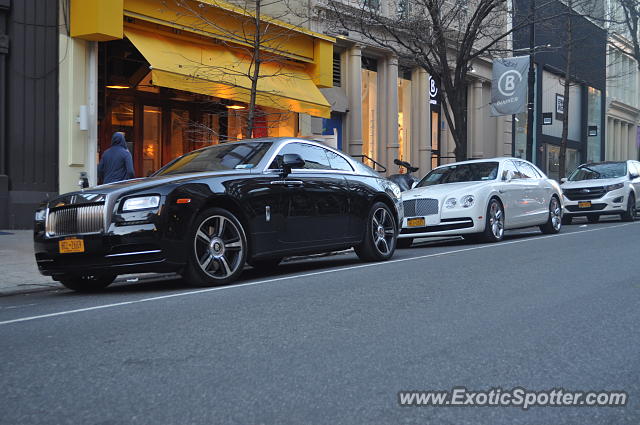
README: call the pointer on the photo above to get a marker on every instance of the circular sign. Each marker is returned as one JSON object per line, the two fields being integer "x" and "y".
{"x": 507, "y": 83}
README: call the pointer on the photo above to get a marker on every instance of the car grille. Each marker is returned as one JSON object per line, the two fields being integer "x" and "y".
{"x": 581, "y": 193}
{"x": 75, "y": 219}
{"x": 419, "y": 207}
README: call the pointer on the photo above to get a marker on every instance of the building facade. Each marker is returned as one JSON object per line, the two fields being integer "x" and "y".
{"x": 28, "y": 107}
{"x": 623, "y": 90}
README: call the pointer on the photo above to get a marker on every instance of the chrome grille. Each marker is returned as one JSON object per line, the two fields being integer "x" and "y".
{"x": 417, "y": 207}
{"x": 75, "y": 219}
{"x": 578, "y": 194}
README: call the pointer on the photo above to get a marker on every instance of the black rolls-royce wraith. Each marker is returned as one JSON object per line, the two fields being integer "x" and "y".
{"x": 207, "y": 213}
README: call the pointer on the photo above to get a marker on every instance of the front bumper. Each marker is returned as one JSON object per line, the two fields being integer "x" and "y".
{"x": 611, "y": 203}
{"x": 122, "y": 250}
{"x": 457, "y": 221}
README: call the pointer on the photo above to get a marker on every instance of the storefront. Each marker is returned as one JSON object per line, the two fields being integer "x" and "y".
{"x": 177, "y": 76}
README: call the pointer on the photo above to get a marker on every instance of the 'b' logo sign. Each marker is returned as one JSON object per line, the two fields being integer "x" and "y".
{"x": 508, "y": 87}
{"x": 508, "y": 82}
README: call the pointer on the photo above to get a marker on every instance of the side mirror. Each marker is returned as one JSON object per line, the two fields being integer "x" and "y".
{"x": 563, "y": 180}
{"x": 633, "y": 176}
{"x": 291, "y": 161}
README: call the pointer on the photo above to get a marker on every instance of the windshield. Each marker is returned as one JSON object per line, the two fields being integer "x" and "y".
{"x": 228, "y": 156}
{"x": 610, "y": 170}
{"x": 471, "y": 172}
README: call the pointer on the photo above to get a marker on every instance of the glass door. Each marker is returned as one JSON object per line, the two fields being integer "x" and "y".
{"x": 151, "y": 140}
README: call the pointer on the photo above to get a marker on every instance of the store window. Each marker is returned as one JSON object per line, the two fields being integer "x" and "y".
{"x": 369, "y": 108}
{"x": 151, "y": 140}
{"x": 404, "y": 118}
{"x": 553, "y": 161}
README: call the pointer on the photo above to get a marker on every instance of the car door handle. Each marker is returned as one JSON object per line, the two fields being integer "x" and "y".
{"x": 288, "y": 182}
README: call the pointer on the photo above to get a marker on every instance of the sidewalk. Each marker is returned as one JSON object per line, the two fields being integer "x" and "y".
{"x": 18, "y": 269}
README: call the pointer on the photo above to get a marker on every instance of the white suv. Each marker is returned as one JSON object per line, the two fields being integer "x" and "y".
{"x": 605, "y": 188}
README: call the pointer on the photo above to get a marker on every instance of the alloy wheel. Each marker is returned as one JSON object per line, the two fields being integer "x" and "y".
{"x": 383, "y": 227}
{"x": 218, "y": 247}
{"x": 555, "y": 212}
{"x": 496, "y": 220}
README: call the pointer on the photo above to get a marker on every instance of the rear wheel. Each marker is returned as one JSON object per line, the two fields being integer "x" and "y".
{"x": 88, "y": 283}
{"x": 404, "y": 243}
{"x": 593, "y": 218}
{"x": 554, "y": 222}
{"x": 630, "y": 213}
{"x": 494, "y": 228}
{"x": 380, "y": 234}
{"x": 217, "y": 249}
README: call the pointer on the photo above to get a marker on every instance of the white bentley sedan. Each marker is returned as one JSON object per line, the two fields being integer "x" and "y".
{"x": 479, "y": 200}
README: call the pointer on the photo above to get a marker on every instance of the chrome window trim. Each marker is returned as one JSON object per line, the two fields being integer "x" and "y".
{"x": 267, "y": 170}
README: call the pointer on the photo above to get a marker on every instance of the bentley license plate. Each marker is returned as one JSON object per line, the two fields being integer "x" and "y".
{"x": 586, "y": 204}
{"x": 71, "y": 245}
{"x": 416, "y": 222}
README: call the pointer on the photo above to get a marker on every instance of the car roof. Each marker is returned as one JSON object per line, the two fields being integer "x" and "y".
{"x": 499, "y": 159}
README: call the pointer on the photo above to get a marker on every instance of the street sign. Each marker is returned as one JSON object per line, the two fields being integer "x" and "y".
{"x": 509, "y": 86}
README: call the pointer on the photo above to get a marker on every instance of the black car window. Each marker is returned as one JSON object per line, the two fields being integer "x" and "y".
{"x": 315, "y": 157}
{"x": 227, "y": 156}
{"x": 526, "y": 171}
{"x": 469, "y": 172}
{"x": 338, "y": 162}
{"x": 606, "y": 170}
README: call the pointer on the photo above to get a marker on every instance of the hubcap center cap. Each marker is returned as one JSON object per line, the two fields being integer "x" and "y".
{"x": 380, "y": 232}
{"x": 216, "y": 247}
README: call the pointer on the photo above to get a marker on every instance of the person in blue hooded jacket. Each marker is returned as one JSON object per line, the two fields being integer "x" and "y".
{"x": 116, "y": 163}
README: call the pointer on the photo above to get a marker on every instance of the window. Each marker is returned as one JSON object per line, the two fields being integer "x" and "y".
{"x": 372, "y": 4}
{"x": 315, "y": 157}
{"x": 526, "y": 171}
{"x": 475, "y": 171}
{"x": 337, "y": 162}
{"x": 509, "y": 166}
{"x": 403, "y": 9}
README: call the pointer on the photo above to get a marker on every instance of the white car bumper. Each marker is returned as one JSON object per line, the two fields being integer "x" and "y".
{"x": 452, "y": 222}
{"x": 614, "y": 202}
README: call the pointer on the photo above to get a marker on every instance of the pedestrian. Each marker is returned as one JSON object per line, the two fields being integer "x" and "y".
{"x": 116, "y": 163}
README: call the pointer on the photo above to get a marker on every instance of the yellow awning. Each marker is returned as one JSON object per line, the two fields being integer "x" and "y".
{"x": 199, "y": 67}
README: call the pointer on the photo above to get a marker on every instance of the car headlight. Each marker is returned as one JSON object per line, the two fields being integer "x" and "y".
{"x": 614, "y": 187}
{"x": 450, "y": 203}
{"x": 40, "y": 215}
{"x": 395, "y": 189}
{"x": 467, "y": 201}
{"x": 141, "y": 203}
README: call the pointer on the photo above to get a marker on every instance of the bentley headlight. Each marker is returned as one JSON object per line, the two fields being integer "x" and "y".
{"x": 450, "y": 203}
{"x": 395, "y": 189}
{"x": 141, "y": 203}
{"x": 614, "y": 187}
{"x": 41, "y": 215}
{"x": 467, "y": 201}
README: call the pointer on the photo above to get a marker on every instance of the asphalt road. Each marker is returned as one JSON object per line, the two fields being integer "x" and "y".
{"x": 332, "y": 340}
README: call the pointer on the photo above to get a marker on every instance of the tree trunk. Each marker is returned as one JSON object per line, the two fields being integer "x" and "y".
{"x": 567, "y": 85}
{"x": 255, "y": 75}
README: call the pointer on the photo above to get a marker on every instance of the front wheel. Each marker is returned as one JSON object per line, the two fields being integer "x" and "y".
{"x": 494, "y": 224}
{"x": 380, "y": 233}
{"x": 630, "y": 213}
{"x": 88, "y": 283}
{"x": 217, "y": 249}
{"x": 554, "y": 222}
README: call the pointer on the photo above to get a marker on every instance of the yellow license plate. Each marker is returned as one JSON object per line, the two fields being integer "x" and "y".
{"x": 416, "y": 222}
{"x": 72, "y": 245}
{"x": 584, "y": 204}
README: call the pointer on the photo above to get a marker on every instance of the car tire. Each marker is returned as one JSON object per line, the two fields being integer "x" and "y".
{"x": 380, "y": 234}
{"x": 554, "y": 221}
{"x": 216, "y": 249}
{"x": 566, "y": 220}
{"x": 87, "y": 283}
{"x": 630, "y": 213}
{"x": 404, "y": 243}
{"x": 494, "y": 222}
{"x": 265, "y": 264}
{"x": 593, "y": 218}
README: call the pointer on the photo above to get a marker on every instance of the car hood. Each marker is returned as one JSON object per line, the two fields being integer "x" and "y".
{"x": 592, "y": 183}
{"x": 114, "y": 190}
{"x": 441, "y": 191}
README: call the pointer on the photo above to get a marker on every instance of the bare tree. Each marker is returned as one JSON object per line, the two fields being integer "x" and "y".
{"x": 258, "y": 41}
{"x": 443, "y": 37}
{"x": 631, "y": 10}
